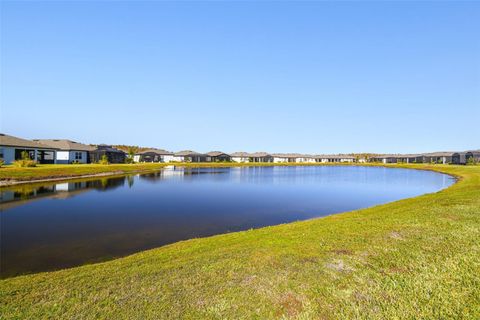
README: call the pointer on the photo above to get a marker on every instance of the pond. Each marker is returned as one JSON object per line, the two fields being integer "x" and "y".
{"x": 66, "y": 224}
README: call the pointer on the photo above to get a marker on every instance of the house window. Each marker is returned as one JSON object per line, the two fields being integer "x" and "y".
{"x": 78, "y": 156}
{"x": 1, "y": 153}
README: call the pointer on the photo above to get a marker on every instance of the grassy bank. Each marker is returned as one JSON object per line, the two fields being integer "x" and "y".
{"x": 414, "y": 258}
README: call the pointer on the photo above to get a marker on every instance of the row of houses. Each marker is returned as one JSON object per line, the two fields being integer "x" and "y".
{"x": 56, "y": 151}
{"x": 434, "y": 157}
{"x": 157, "y": 155}
{"x": 61, "y": 151}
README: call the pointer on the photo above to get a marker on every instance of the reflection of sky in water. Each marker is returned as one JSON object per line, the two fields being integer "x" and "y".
{"x": 67, "y": 224}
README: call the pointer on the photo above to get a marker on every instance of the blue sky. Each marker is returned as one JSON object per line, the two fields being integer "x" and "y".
{"x": 313, "y": 77}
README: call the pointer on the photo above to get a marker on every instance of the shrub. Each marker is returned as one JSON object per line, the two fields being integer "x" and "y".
{"x": 104, "y": 160}
{"x": 471, "y": 161}
{"x": 25, "y": 161}
{"x": 1, "y": 162}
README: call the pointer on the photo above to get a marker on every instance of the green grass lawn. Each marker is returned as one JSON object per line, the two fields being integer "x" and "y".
{"x": 417, "y": 258}
{"x": 47, "y": 171}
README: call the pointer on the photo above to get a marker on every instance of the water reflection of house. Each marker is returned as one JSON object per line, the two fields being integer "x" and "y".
{"x": 11, "y": 149}
{"x": 22, "y": 194}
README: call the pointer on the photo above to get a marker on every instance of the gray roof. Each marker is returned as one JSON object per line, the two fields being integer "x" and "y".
{"x": 216, "y": 153}
{"x": 240, "y": 154}
{"x": 187, "y": 153}
{"x": 250, "y": 155}
{"x": 108, "y": 148}
{"x": 11, "y": 141}
{"x": 439, "y": 154}
{"x": 63, "y": 144}
{"x": 260, "y": 154}
{"x": 290, "y": 155}
{"x": 333, "y": 156}
{"x": 408, "y": 155}
{"x": 157, "y": 151}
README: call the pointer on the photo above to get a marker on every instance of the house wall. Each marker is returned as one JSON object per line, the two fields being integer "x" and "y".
{"x": 65, "y": 157}
{"x": 8, "y": 154}
{"x": 178, "y": 158}
{"x": 168, "y": 158}
{"x": 240, "y": 159}
{"x": 304, "y": 160}
{"x": 280, "y": 160}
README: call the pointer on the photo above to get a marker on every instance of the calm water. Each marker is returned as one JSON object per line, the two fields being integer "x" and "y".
{"x": 67, "y": 224}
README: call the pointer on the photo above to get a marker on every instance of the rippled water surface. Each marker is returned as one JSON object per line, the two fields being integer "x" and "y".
{"x": 72, "y": 223}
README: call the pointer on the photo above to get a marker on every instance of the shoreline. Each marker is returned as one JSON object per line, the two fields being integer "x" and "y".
{"x": 11, "y": 181}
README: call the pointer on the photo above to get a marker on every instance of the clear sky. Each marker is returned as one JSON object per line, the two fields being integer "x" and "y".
{"x": 313, "y": 77}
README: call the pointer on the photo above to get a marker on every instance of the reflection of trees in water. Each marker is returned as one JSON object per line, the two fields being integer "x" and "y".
{"x": 151, "y": 176}
{"x": 130, "y": 181}
{"x": 25, "y": 191}
{"x": 106, "y": 183}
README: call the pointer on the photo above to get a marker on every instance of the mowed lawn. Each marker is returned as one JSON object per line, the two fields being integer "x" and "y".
{"x": 417, "y": 258}
{"x": 47, "y": 171}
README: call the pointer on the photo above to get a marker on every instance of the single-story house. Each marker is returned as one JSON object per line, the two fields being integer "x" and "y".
{"x": 218, "y": 156}
{"x": 459, "y": 158}
{"x": 240, "y": 156}
{"x": 306, "y": 158}
{"x": 285, "y": 157}
{"x": 189, "y": 156}
{"x": 260, "y": 157}
{"x": 333, "y": 158}
{"x": 11, "y": 149}
{"x": 473, "y": 156}
{"x": 153, "y": 155}
{"x": 438, "y": 157}
{"x": 113, "y": 155}
{"x": 410, "y": 158}
{"x": 386, "y": 158}
{"x": 68, "y": 151}
{"x": 292, "y": 157}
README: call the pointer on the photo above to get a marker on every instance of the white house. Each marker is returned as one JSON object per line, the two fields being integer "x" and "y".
{"x": 284, "y": 157}
{"x": 154, "y": 155}
{"x": 387, "y": 158}
{"x": 190, "y": 156}
{"x": 292, "y": 157}
{"x": 240, "y": 157}
{"x": 340, "y": 158}
{"x": 305, "y": 158}
{"x": 11, "y": 149}
{"x": 68, "y": 151}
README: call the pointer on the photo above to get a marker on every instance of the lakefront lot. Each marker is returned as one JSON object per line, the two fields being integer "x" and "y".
{"x": 413, "y": 258}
